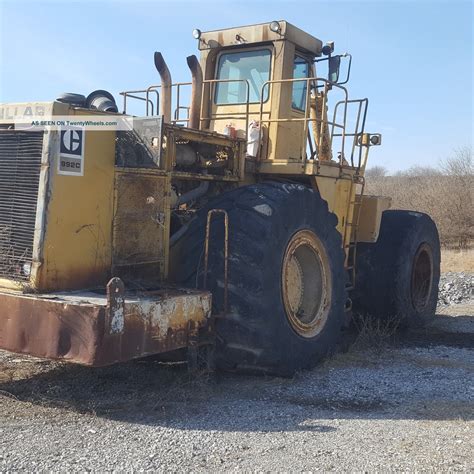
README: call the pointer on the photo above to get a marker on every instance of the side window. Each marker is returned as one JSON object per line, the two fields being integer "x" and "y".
{"x": 300, "y": 70}
{"x": 252, "y": 66}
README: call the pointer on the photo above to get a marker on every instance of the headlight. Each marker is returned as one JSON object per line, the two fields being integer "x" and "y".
{"x": 375, "y": 139}
{"x": 275, "y": 27}
{"x": 196, "y": 33}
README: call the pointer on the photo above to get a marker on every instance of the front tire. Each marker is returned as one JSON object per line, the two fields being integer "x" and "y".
{"x": 286, "y": 277}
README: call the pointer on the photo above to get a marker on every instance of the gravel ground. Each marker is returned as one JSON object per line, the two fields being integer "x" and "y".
{"x": 408, "y": 406}
{"x": 456, "y": 288}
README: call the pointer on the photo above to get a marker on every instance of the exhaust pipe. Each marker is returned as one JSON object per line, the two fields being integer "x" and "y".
{"x": 196, "y": 92}
{"x": 164, "y": 72}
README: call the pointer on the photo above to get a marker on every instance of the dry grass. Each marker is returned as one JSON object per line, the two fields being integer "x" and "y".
{"x": 457, "y": 260}
{"x": 449, "y": 200}
{"x": 374, "y": 333}
{"x": 446, "y": 193}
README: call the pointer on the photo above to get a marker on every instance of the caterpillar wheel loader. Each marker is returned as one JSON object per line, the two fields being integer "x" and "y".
{"x": 235, "y": 220}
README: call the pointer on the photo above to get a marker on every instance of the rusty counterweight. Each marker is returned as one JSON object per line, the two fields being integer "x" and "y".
{"x": 96, "y": 330}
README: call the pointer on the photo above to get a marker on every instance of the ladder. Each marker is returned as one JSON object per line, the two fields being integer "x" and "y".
{"x": 351, "y": 226}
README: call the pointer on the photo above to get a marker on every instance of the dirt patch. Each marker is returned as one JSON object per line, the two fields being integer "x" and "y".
{"x": 457, "y": 260}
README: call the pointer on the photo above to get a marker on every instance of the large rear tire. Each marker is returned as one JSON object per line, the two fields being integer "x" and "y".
{"x": 397, "y": 277}
{"x": 286, "y": 277}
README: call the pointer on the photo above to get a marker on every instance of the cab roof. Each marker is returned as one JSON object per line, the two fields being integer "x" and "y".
{"x": 260, "y": 33}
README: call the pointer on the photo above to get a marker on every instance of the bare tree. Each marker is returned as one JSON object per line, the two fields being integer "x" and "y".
{"x": 376, "y": 172}
{"x": 417, "y": 171}
{"x": 459, "y": 208}
{"x": 459, "y": 164}
{"x": 445, "y": 193}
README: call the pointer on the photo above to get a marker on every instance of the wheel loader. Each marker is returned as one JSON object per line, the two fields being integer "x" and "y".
{"x": 228, "y": 219}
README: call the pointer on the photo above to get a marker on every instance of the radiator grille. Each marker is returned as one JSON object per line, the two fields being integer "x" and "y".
{"x": 20, "y": 163}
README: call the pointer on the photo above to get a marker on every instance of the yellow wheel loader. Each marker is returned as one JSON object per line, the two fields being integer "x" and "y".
{"x": 230, "y": 214}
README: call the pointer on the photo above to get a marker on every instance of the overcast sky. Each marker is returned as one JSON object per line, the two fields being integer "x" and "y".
{"x": 412, "y": 59}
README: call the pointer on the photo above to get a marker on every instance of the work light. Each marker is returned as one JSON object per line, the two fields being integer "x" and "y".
{"x": 275, "y": 26}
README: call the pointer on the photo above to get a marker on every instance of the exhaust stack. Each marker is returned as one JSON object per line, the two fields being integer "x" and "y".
{"x": 164, "y": 72}
{"x": 196, "y": 92}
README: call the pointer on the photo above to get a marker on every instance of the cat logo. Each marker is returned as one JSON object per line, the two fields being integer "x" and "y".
{"x": 71, "y": 154}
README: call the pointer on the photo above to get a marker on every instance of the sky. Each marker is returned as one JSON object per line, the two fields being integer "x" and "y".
{"x": 412, "y": 59}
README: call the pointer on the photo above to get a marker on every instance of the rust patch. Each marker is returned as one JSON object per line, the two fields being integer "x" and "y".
{"x": 49, "y": 329}
{"x": 79, "y": 327}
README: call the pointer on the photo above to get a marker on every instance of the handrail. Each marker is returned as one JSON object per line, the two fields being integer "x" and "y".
{"x": 178, "y": 86}
{"x": 131, "y": 93}
{"x": 363, "y": 105}
{"x": 328, "y": 85}
{"x": 337, "y": 129}
{"x": 211, "y": 82}
{"x": 147, "y": 92}
{"x": 151, "y": 106}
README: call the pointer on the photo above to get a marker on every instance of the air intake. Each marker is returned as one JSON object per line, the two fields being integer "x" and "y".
{"x": 20, "y": 164}
{"x": 101, "y": 100}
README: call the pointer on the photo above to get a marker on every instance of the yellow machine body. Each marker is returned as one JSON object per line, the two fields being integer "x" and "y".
{"x": 72, "y": 246}
{"x": 98, "y": 204}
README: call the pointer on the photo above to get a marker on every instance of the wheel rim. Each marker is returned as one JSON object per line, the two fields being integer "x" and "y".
{"x": 422, "y": 277}
{"x": 306, "y": 284}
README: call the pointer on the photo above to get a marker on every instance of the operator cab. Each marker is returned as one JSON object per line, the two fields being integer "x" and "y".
{"x": 264, "y": 77}
{"x": 244, "y": 70}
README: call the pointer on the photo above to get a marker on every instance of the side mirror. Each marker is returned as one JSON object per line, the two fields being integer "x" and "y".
{"x": 334, "y": 65}
{"x": 333, "y": 68}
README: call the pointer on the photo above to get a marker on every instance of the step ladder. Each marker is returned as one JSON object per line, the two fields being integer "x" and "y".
{"x": 352, "y": 227}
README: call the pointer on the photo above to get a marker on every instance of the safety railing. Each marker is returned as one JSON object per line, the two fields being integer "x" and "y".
{"x": 311, "y": 83}
{"x": 149, "y": 89}
{"x": 358, "y": 130}
{"x": 225, "y": 116}
{"x": 132, "y": 95}
{"x": 338, "y": 128}
{"x": 153, "y": 106}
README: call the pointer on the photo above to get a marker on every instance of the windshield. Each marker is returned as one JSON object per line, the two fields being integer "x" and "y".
{"x": 252, "y": 66}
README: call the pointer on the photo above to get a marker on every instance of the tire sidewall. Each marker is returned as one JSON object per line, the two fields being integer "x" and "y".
{"x": 303, "y": 209}
{"x": 421, "y": 234}
{"x": 384, "y": 269}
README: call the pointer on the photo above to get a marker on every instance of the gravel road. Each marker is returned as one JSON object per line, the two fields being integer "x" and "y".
{"x": 407, "y": 406}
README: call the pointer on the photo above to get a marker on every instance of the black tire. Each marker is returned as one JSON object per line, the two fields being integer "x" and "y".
{"x": 78, "y": 100}
{"x": 256, "y": 335}
{"x": 397, "y": 277}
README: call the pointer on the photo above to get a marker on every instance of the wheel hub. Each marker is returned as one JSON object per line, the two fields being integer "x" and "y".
{"x": 294, "y": 283}
{"x": 306, "y": 284}
{"x": 422, "y": 277}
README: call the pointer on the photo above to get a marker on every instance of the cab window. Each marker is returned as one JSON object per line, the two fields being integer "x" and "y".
{"x": 252, "y": 66}
{"x": 300, "y": 70}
